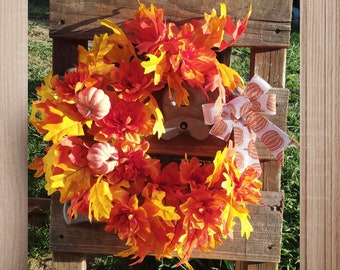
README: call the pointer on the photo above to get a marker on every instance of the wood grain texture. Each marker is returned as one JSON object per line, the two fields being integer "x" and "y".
{"x": 270, "y": 64}
{"x": 269, "y": 24}
{"x": 271, "y": 175}
{"x": 13, "y": 135}
{"x": 263, "y": 245}
{"x": 254, "y": 266}
{"x": 320, "y": 135}
{"x": 65, "y": 54}
{"x": 69, "y": 261}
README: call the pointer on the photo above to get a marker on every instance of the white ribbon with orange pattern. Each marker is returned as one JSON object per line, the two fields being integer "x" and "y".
{"x": 244, "y": 116}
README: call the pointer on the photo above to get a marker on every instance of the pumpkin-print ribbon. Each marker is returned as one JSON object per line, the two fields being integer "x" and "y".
{"x": 244, "y": 116}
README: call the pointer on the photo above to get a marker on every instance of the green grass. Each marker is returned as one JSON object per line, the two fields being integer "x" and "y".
{"x": 40, "y": 62}
{"x": 110, "y": 262}
{"x": 290, "y": 183}
{"x": 38, "y": 241}
{"x": 240, "y": 61}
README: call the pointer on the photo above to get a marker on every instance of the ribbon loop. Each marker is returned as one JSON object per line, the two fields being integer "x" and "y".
{"x": 240, "y": 106}
{"x": 244, "y": 116}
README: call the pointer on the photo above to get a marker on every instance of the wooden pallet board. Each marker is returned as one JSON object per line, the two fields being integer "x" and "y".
{"x": 269, "y": 24}
{"x": 264, "y": 243}
{"x": 38, "y": 211}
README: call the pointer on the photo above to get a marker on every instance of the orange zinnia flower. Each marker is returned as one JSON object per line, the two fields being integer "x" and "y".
{"x": 67, "y": 87}
{"x": 131, "y": 83}
{"x": 202, "y": 219}
{"x": 147, "y": 28}
{"x": 128, "y": 220}
{"x": 126, "y": 120}
{"x": 194, "y": 171}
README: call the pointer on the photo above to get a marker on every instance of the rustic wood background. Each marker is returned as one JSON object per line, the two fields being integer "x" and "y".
{"x": 13, "y": 135}
{"x": 81, "y": 17}
{"x": 320, "y": 135}
{"x": 264, "y": 243}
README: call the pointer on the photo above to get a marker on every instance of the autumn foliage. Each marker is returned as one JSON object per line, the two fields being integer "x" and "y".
{"x": 98, "y": 115}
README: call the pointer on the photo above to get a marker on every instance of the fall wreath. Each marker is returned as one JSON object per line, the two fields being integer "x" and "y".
{"x": 98, "y": 115}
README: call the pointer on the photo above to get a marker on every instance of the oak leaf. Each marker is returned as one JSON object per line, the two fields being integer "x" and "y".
{"x": 100, "y": 200}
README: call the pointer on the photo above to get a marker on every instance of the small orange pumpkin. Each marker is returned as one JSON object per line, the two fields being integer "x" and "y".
{"x": 93, "y": 103}
{"x": 102, "y": 158}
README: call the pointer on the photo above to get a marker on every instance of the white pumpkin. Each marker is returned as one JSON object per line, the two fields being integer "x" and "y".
{"x": 93, "y": 103}
{"x": 102, "y": 158}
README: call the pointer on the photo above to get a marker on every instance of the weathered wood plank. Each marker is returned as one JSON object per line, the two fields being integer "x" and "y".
{"x": 320, "y": 135}
{"x": 13, "y": 135}
{"x": 65, "y": 53}
{"x": 254, "y": 266}
{"x": 270, "y": 64}
{"x": 271, "y": 175}
{"x": 269, "y": 24}
{"x": 38, "y": 211}
{"x": 263, "y": 245}
{"x": 38, "y": 204}
{"x": 69, "y": 261}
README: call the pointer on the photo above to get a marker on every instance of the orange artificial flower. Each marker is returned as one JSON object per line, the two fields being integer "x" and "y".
{"x": 194, "y": 171}
{"x": 147, "y": 28}
{"x": 126, "y": 120}
{"x": 130, "y": 82}
{"x": 67, "y": 87}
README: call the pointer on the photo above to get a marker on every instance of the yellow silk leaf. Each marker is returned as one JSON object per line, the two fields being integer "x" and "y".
{"x": 218, "y": 167}
{"x": 228, "y": 220}
{"x": 228, "y": 76}
{"x": 223, "y": 8}
{"x": 34, "y": 120}
{"x": 228, "y": 185}
{"x": 214, "y": 27}
{"x": 67, "y": 126}
{"x": 154, "y": 110}
{"x": 50, "y": 160}
{"x": 100, "y": 200}
{"x": 70, "y": 181}
{"x": 121, "y": 39}
{"x": 154, "y": 64}
{"x": 119, "y": 191}
{"x": 95, "y": 59}
{"x": 242, "y": 214}
{"x": 181, "y": 94}
{"x": 101, "y": 46}
{"x": 46, "y": 91}
{"x": 188, "y": 266}
{"x": 167, "y": 213}
{"x": 127, "y": 253}
{"x": 158, "y": 126}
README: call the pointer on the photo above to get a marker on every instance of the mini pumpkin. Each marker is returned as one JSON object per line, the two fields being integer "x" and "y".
{"x": 93, "y": 103}
{"x": 102, "y": 158}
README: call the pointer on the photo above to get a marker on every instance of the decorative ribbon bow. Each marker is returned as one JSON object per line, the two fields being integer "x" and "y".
{"x": 244, "y": 116}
